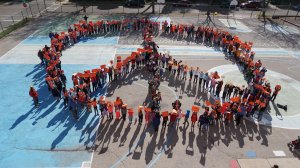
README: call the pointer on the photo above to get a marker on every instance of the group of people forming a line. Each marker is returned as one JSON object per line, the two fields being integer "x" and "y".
{"x": 237, "y": 101}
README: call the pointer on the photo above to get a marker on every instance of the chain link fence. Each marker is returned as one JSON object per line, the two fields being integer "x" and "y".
{"x": 32, "y": 9}
{"x": 36, "y": 8}
{"x": 102, "y": 8}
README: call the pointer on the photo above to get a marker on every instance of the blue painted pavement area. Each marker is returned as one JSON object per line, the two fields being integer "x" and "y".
{"x": 38, "y": 40}
{"x": 28, "y": 134}
{"x": 251, "y": 154}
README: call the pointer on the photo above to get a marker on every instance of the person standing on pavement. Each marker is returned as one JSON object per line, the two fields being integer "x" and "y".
{"x": 124, "y": 111}
{"x": 156, "y": 121}
{"x": 275, "y": 92}
{"x": 219, "y": 87}
{"x": 74, "y": 108}
{"x": 41, "y": 56}
{"x": 65, "y": 97}
{"x": 200, "y": 78}
{"x": 196, "y": 75}
{"x": 94, "y": 103}
{"x": 191, "y": 73}
{"x": 35, "y": 96}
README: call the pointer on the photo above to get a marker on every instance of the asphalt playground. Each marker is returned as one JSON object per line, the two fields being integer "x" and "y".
{"x": 49, "y": 137}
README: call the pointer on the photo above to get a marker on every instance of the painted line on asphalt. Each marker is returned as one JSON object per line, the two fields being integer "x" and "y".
{"x": 18, "y": 44}
{"x": 105, "y": 93}
{"x": 167, "y": 142}
{"x": 169, "y": 138}
{"x": 289, "y": 122}
{"x": 251, "y": 154}
{"x": 279, "y": 153}
{"x": 136, "y": 144}
{"x": 234, "y": 164}
{"x": 140, "y": 84}
{"x": 171, "y": 91}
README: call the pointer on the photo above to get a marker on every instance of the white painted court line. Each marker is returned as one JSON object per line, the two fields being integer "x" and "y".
{"x": 237, "y": 25}
{"x": 289, "y": 122}
{"x": 53, "y": 7}
{"x": 86, "y": 165}
{"x": 279, "y": 153}
{"x": 10, "y": 20}
{"x": 111, "y": 58}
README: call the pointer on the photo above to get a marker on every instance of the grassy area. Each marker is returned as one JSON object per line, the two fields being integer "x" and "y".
{"x": 14, "y": 27}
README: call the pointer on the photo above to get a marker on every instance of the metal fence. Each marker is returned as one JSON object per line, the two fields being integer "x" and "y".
{"x": 33, "y": 9}
{"x": 99, "y": 8}
{"x": 36, "y": 8}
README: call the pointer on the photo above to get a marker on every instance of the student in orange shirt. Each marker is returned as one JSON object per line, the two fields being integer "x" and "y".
{"x": 34, "y": 94}
{"x": 194, "y": 118}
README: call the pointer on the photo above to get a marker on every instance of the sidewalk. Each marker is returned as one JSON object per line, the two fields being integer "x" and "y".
{"x": 269, "y": 163}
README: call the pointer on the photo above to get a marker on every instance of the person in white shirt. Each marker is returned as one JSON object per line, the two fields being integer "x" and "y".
{"x": 205, "y": 80}
{"x": 201, "y": 74}
{"x": 196, "y": 74}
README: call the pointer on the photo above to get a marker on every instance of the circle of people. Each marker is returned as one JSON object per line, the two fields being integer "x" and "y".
{"x": 237, "y": 101}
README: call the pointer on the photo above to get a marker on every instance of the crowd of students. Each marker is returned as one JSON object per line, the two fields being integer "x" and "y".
{"x": 231, "y": 101}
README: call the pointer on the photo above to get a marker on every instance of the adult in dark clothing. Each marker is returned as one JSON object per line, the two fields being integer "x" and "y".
{"x": 59, "y": 85}
{"x": 219, "y": 87}
{"x": 123, "y": 112}
{"x": 74, "y": 108}
{"x": 225, "y": 90}
{"x": 156, "y": 122}
{"x": 230, "y": 90}
{"x": 85, "y": 18}
{"x": 63, "y": 79}
{"x": 110, "y": 73}
{"x": 203, "y": 120}
{"x": 41, "y": 56}
{"x": 236, "y": 91}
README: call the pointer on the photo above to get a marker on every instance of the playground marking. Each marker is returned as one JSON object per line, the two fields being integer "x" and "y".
{"x": 86, "y": 165}
{"x": 279, "y": 153}
{"x": 251, "y": 154}
{"x": 97, "y": 128}
{"x": 289, "y": 122}
{"x": 287, "y": 30}
{"x": 235, "y": 25}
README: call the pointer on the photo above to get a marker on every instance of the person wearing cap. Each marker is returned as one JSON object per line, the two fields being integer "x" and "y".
{"x": 35, "y": 96}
